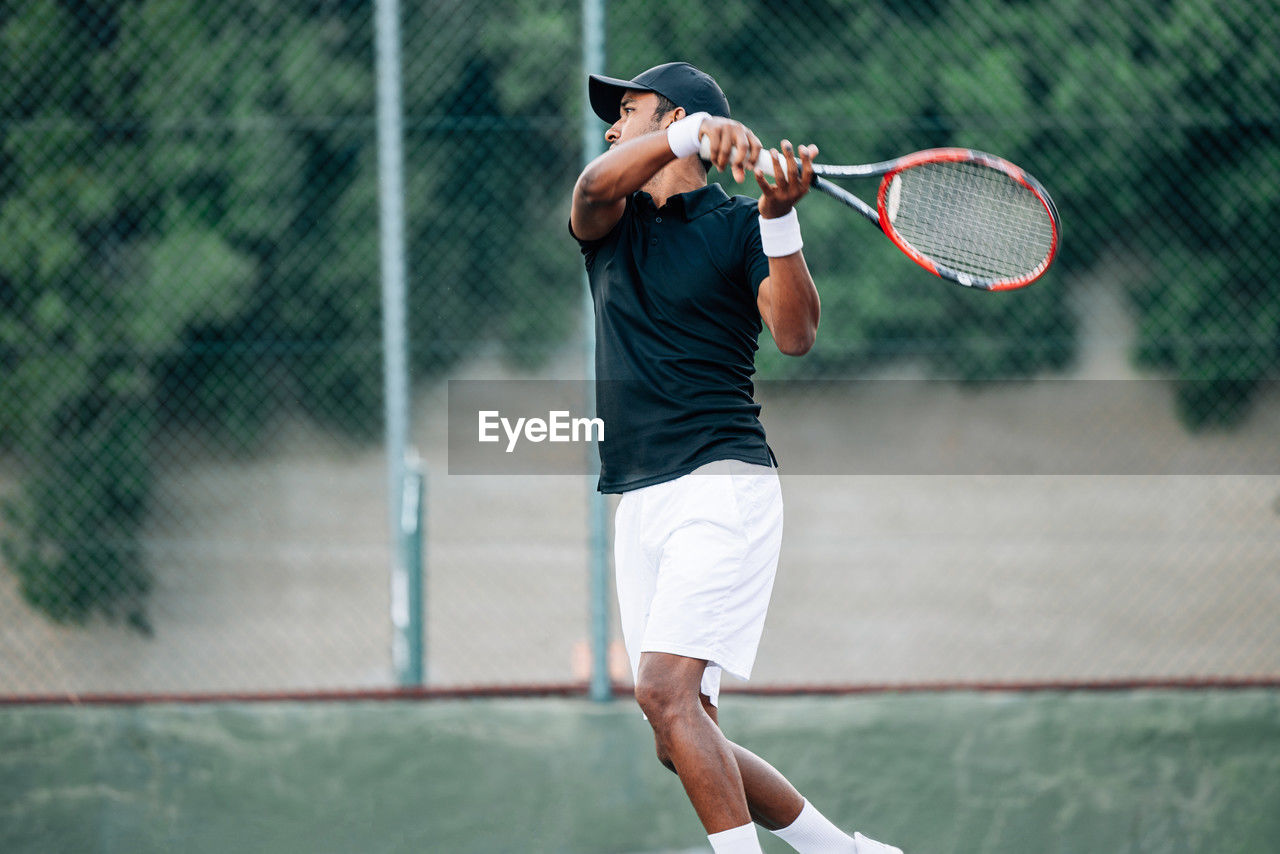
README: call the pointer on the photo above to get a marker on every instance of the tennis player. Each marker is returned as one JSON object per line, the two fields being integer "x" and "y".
{"x": 683, "y": 276}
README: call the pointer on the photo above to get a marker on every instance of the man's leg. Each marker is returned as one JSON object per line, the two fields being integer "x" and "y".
{"x": 727, "y": 784}
{"x": 778, "y": 807}
{"x": 689, "y": 742}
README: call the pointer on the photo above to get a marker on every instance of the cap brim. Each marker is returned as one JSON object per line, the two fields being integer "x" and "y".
{"x": 606, "y": 94}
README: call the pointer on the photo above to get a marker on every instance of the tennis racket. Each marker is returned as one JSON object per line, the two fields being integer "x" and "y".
{"x": 969, "y": 217}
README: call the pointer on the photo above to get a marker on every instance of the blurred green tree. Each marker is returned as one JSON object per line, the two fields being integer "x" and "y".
{"x": 168, "y": 181}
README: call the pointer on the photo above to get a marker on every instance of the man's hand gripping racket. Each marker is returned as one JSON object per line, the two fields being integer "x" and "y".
{"x": 970, "y": 217}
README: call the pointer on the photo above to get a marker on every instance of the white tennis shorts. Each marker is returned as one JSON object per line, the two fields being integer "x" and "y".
{"x": 695, "y": 559}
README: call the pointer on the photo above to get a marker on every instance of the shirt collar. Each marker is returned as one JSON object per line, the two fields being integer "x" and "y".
{"x": 694, "y": 203}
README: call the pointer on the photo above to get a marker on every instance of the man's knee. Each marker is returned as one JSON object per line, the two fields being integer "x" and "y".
{"x": 657, "y": 702}
{"x": 669, "y": 695}
{"x": 660, "y": 697}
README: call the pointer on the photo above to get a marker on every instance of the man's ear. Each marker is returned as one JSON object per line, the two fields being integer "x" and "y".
{"x": 674, "y": 116}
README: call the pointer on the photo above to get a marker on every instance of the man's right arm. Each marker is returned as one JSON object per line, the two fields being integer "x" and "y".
{"x": 600, "y": 196}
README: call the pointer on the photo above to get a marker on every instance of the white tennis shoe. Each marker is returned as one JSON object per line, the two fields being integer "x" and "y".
{"x": 863, "y": 845}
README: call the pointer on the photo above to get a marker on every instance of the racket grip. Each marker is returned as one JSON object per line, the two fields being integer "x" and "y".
{"x": 764, "y": 163}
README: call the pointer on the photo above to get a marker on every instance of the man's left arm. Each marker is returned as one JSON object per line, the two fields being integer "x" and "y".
{"x": 788, "y": 298}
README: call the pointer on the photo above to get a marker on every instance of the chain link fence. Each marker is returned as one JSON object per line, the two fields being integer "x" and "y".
{"x": 191, "y": 409}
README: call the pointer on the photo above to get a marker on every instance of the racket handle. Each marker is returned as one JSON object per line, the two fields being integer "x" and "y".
{"x": 764, "y": 163}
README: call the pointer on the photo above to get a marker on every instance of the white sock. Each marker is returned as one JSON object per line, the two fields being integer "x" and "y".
{"x": 813, "y": 833}
{"x": 736, "y": 840}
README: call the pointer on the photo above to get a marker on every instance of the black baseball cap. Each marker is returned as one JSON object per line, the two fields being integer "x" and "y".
{"x": 678, "y": 82}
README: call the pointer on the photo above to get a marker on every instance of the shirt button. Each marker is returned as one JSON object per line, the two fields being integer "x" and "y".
{"x": 653, "y": 242}
{"x": 657, "y": 219}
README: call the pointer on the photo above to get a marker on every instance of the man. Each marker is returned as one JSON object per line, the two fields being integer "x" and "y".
{"x": 682, "y": 277}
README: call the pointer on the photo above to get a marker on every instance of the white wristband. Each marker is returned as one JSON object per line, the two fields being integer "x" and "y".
{"x": 781, "y": 235}
{"x": 682, "y": 135}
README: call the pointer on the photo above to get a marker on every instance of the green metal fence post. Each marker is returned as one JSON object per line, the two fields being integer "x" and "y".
{"x": 390, "y": 129}
{"x": 597, "y": 513}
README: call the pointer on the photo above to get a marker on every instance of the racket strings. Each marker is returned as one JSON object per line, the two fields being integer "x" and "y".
{"x": 972, "y": 218}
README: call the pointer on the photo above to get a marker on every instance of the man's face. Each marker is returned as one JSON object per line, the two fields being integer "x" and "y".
{"x": 636, "y": 117}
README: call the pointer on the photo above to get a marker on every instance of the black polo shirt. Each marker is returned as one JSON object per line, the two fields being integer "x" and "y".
{"x": 676, "y": 330}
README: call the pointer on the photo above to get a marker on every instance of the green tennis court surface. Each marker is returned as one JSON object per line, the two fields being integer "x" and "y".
{"x": 1152, "y": 771}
